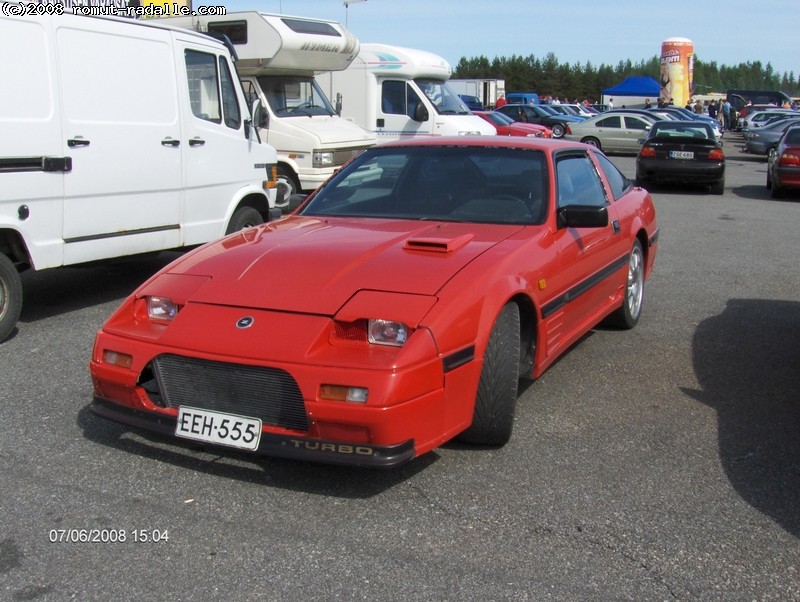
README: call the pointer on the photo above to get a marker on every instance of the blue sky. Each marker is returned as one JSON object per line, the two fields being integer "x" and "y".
{"x": 728, "y": 32}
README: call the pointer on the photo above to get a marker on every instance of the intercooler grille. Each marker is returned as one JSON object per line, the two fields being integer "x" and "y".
{"x": 270, "y": 394}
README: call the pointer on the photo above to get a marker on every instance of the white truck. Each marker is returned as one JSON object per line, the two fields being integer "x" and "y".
{"x": 400, "y": 92}
{"x": 118, "y": 137}
{"x": 486, "y": 90}
{"x": 278, "y": 56}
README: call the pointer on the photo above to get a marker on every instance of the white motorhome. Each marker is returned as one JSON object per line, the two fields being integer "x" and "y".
{"x": 485, "y": 90}
{"x": 118, "y": 137}
{"x": 401, "y": 93}
{"x": 278, "y": 56}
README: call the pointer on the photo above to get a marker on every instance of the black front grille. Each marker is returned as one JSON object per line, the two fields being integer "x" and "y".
{"x": 270, "y": 394}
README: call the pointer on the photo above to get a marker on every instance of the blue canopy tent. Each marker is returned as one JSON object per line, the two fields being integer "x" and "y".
{"x": 635, "y": 85}
{"x": 633, "y": 91}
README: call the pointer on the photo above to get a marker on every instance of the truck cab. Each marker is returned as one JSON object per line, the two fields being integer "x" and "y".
{"x": 278, "y": 56}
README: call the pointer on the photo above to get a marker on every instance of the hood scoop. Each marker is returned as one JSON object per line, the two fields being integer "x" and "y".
{"x": 438, "y": 245}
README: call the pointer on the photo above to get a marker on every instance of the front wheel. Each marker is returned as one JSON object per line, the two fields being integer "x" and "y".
{"x": 286, "y": 187}
{"x": 493, "y": 416}
{"x": 244, "y": 217}
{"x": 10, "y": 297}
{"x": 627, "y": 316}
{"x": 558, "y": 130}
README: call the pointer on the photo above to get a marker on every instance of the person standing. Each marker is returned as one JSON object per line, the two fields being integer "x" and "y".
{"x": 500, "y": 102}
{"x": 610, "y": 104}
{"x": 726, "y": 115}
{"x": 713, "y": 109}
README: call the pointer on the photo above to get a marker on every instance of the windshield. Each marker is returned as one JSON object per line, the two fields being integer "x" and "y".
{"x": 446, "y": 183}
{"x": 442, "y": 96}
{"x": 293, "y": 96}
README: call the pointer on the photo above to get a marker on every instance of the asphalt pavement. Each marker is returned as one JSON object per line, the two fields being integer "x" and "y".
{"x": 661, "y": 463}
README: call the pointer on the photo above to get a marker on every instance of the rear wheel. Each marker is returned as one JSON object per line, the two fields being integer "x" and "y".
{"x": 718, "y": 187}
{"x": 592, "y": 142}
{"x": 627, "y": 316}
{"x": 10, "y": 297}
{"x": 493, "y": 417}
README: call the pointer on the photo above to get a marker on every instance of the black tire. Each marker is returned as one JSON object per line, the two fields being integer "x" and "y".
{"x": 769, "y": 181}
{"x": 776, "y": 191}
{"x": 286, "y": 187}
{"x": 718, "y": 187}
{"x": 493, "y": 417}
{"x": 592, "y": 142}
{"x": 244, "y": 217}
{"x": 10, "y": 297}
{"x": 558, "y": 130}
{"x": 628, "y": 314}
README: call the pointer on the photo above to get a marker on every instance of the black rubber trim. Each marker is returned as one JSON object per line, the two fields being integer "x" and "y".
{"x": 282, "y": 446}
{"x": 459, "y": 358}
{"x": 584, "y": 286}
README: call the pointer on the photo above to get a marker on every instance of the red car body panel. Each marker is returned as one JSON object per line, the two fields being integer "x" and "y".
{"x": 306, "y": 283}
{"x": 517, "y": 128}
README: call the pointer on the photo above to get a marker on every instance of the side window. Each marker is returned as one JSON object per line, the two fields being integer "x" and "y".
{"x": 393, "y": 98}
{"x": 230, "y": 104}
{"x": 201, "y": 74}
{"x": 578, "y": 182}
{"x": 632, "y": 123}
{"x": 610, "y": 122}
{"x": 619, "y": 183}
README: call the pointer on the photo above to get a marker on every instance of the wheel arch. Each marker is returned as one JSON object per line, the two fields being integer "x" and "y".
{"x": 12, "y": 244}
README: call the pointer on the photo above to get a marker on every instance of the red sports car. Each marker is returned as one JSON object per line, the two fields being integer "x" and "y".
{"x": 506, "y": 126}
{"x": 394, "y": 310}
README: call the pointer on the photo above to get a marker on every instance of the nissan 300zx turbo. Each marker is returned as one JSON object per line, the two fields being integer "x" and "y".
{"x": 397, "y": 308}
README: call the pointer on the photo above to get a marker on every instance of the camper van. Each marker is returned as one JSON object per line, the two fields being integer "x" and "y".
{"x": 118, "y": 137}
{"x": 278, "y": 56}
{"x": 402, "y": 93}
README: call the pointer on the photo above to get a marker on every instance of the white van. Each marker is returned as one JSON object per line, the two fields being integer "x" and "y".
{"x": 402, "y": 93}
{"x": 118, "y": 137}
{"x": 278, "y": 56}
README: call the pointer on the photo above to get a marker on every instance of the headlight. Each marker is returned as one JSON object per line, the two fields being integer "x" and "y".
{"x": 387, "y": 332}
{"x": 323, "y": 159}
{"x": 162, "y": 309}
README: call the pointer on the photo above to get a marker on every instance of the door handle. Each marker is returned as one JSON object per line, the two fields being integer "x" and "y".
{"x": 615, "y": 227}
{"x": 73, "y": 142}
{"x": 170, "y": 142}
{"x": 196, "y": 142}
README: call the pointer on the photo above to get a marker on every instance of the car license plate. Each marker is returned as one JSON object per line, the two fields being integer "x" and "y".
{"x": 218, "y": 427}
{"x": 681, "y": 155}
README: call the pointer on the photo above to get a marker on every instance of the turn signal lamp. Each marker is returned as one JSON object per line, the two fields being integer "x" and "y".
{"x": 342, "y": 393}
{"x": 115, "y": 358}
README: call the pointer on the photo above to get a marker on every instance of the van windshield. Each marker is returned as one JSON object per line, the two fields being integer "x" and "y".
{"x": 442, "y": 96}
{"x": 294, "y": 96}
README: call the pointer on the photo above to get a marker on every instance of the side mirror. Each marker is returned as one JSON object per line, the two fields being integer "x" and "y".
{"x": 582, "y": 216}
{"x": 420, "y": 113}
{"x": 338, "y": 107}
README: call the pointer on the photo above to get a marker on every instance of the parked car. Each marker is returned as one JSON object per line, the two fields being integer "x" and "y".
{"x": 757, "y": 119}
{"x": 411, "y": 294}
{"x": 681, "y": 151}
{"x": 613, "y": 132}
{"x": 506, "y": 126}
{"x": 538, "y": 114}
{"x": 761, "y": 140}
{"x": 566, "y": 110}
{"x": 680, "y": 113}
{"x": 473, "y": 102}
{"x": 783, "y": 168}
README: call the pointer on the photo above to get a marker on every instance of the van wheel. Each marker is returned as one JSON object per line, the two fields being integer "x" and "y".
{"x": 287, "y": 186}
{"x": 10, "y": 297}
{"x": 244, "y": 217}
{"x": 493, "y": 417}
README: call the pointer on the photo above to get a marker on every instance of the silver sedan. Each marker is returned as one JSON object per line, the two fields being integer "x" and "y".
{"x": 619, "y": 132}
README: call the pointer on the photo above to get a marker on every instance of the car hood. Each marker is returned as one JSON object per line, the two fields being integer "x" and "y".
{"x": 315, "y": 265}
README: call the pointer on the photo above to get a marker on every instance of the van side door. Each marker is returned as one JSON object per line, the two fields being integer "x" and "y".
{"x": 122, "y": 129}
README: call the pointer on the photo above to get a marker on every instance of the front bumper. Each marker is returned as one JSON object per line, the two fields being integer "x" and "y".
{"x": 282, "y": 446}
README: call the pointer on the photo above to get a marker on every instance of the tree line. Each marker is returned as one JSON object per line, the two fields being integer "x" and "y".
{"x": 576, "y": 81}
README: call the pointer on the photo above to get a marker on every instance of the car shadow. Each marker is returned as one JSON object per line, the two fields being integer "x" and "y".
{"x": 48, "y": 293}
{"x": 293, "y": 475}
{"x": 746, "y": 360}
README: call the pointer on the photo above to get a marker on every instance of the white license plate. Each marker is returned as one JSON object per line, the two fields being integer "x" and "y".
{"x": 681, "y": 155}
{"x": 218, "y": 427}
